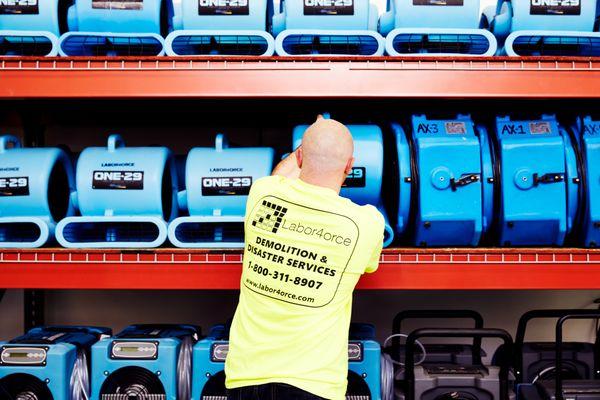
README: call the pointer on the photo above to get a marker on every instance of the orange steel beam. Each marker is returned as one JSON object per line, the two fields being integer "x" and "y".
{"x": 407, "y": 269}
{"x": 381, "y": 77}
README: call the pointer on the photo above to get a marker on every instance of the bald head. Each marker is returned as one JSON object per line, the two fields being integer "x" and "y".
{"x": 326, "y": 153}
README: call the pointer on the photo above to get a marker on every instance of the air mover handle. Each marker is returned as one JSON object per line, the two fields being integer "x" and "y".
{"x": 455, "y": 333}
{"x": 437, "y": 314}
{"x": 538, "y": 314}
{"x": 589, "y": 314}
{"x": 552, "y": 177}
{"x": 9, "y": 141}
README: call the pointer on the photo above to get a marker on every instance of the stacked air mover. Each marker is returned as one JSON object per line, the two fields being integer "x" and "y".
{"x": 48, "y": 363}
{"x": 126, "y": 196}
{"x": 151, "y": 362}
{"x": 36, "y": 185}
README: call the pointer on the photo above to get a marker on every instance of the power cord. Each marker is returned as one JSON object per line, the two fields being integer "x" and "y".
{"x": 387, "y": 366}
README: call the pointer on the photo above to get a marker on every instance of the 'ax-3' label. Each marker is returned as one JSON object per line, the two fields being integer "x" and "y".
{"x": 223, "y": 7}
{"x": 118, "y": 4}
{"x": 118, "y": 180}
{"x": 555, "y": 7}
{"x": 19, "y": 7}
{"x": 17, "y": 186}
{"x": 438, "y": 2}
{"x": 328, "y": 7}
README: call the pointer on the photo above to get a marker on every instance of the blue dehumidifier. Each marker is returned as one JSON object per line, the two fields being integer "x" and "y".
{"x": 452, "y": 181}
{"x": 364, "y": 184}
{"x": 48, "y": 363}
{"x": 35, "y": 191}
{"x": 327, "y": 28}
{"x": 151, "y": 362}
{"x": 364, "y": 356}
{"x": 218, "y": 181}
{"x": 434, "y": 27}
{"x": 116, "y": 28}
{"x": 29, "y": 28}
{"x": 126, "y": 196}
{"x": 587, "y": 135}
{"x": 547, "y": 28}
{"x": 221, "y": 28}
{"x": 537, "y": 182}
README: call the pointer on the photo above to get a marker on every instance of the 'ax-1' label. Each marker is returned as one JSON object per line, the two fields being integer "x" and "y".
{"x": 18, "y": 186}
{"x": 226, "y": 186}
{"x": 438, "y": 2}
{"x": 118, "y": 4}
{"x": 118, "y": 180}
{"x": 19, "y": 7}
{"x": 356, "y": 178}
{"x": 555, "y": 7}
{"x": 328, "y": 7}
{"x": 223, "y": 7}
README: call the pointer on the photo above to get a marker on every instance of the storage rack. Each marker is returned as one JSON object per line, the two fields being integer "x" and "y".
{"x": 274, "y": 78}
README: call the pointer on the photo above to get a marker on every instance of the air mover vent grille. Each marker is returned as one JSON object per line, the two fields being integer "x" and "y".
{"x": 556, "y": 46}
{"x": 89, "y": 45}
{"x": 25, "y": 45}
{"x": 88, "y": 232}
{"x": 307, "y": 44}
{"x": 226, "y": 45}
{"x": 19, "y": 232}
{"x": 468, "y": 44}
{"x": 201, "y": 232}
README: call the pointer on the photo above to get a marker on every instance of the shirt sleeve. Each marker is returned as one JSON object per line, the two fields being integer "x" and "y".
{"x": 377, "y": 246}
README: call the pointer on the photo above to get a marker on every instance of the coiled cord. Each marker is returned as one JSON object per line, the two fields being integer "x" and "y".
{"x": 80, "y": 378}
{"x": 387, "y": 367}
{"x": 184, "y": 369}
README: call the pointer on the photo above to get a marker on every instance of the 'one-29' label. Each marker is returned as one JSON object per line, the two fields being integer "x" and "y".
{"x": 118, "y": 180}
{"x": 19, "y": 7}
{"x": 226, "y": 186}
{"x": 328, "y": 7}
{"x": 356, "y": 178}
{"x": 555, "y": 7}
{"x": 118, "y": 4}
{"x": 438, "y": 2}
{"x": 17, "y": 186}
{"x": 223, "y": 7}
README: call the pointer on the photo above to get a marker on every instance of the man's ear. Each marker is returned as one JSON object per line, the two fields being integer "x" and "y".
{"x": 299, "y": 156}
{"x": 349, "y": 165}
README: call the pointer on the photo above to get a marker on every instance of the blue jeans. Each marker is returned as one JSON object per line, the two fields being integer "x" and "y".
{"x": 271, "y": 391}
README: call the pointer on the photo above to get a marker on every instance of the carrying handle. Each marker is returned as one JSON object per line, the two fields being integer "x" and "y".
{"x": 221, "y": 142}
{"x": 9, "y": 141}
{"x": 551, "y": 177}
{"x": 115, "y": 141}
{"x": 539, "y": 314}
{"x": 464, "y": 180}
{"x": 409, "y": 374}
{"x": 437, "y": 314}
{"x": 559, "y": 341}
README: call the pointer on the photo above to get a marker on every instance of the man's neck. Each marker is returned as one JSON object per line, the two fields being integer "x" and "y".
{"x": 332, "y": 184}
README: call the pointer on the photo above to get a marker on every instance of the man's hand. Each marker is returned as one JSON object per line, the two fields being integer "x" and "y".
{"x": 288, "y": 167}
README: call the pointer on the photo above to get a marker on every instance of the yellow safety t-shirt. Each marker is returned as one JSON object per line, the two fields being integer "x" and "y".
{"x": 306, "y": 248}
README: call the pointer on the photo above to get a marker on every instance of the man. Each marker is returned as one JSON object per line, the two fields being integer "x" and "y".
{"x": 306, "y": 248}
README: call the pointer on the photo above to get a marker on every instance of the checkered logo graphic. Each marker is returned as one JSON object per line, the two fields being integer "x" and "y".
{"x": 268, "y": 217}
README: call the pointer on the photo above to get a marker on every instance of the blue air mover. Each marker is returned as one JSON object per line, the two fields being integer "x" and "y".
{"x": 537, "y": 182}
{"x": 222, "y": 28}
{"x": 29, "y": 27}
{"x": 149, "y": 362}
{"x": 218, "y": 181}
{"x": 126, "y": 196}
{"x": 364, "y": 356}
{"x": 35, "y": 191}
{"x": 547, "y": 28}
{"x": 434, "y": 27}
{"x": 587, "y": 133}
{"x": 327, "y": 28}
{"x": 48, "y": 363}
{"x": 115, "y": 28}
{"x": 452, "y": 178}
{"x": 364, "y": 184}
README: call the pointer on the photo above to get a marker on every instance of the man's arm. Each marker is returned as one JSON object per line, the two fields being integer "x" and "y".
{"x": 288, "y": 167}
